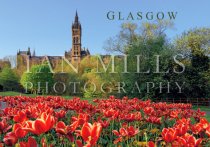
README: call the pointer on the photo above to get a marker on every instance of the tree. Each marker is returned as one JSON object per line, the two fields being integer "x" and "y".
{"x": 121, "y": 42}
{"x": 147, "y": 40}
{"x": 148, "y": 49}
{"x": 153, "y": 30}
{"x": 4, "y": 64}
{"x": 38, "y": 80}
{"x": 195, "y": 45}
{"x": 68, "y": 84}
{"x": 9, "y": 80}
{"x": 130, "y": 32}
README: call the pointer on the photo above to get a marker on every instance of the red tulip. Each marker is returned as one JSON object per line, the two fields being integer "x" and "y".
{"x": 132, "y": 131}
{"x": 10, "y": 139}
{"x": 154, "y": 119}
{"x": 80, "y": 120}
{"x": 197, "y": 128}
{"x": 60, "y": 114}
{"x": 181, "y": 129}
{"x": 132, "y": 117}
{"x": 40, "y": 125}
{"x": 169, "y": 135}
{"x": 125, "y": 132}
{"x": 174, "y": 114}
{"x": 18, "y": 130}
{"x": 104, "y": 123}
{"x": 111, "y": 113}
{"x": 79, "y": 143}
{"x": 199, "y": 113}
{"x": 4, "y": 127}
{"x": 31, "y": 143}
{"x": 189, "y": 140}
{"x": 20, "y": 117}
{"x": 41, "y": 111}
{"x": 111, "y": 97}
{"x": 90, "y": 133}
{"x": 61, "y": 128}
{"x": 149, "y": 110}
{"x": 151, "y": 144}
{"x": 204, "y": 123}
{"x": 183, "y": 121}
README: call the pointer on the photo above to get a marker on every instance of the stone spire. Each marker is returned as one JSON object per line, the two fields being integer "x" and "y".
{"x": 76, "y": 23}
{"x": 29, "y": 51}
{"x": 76, "y": 20}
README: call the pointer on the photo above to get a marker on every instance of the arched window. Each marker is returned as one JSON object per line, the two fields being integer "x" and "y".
{"x": 74, "y": 40}
{"x": 77, "y": 40}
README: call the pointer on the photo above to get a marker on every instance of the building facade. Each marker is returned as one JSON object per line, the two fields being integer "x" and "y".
{"x": 75, "y": 54}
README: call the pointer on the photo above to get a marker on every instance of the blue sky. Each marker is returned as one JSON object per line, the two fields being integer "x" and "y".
{"x": 45, "y": 25}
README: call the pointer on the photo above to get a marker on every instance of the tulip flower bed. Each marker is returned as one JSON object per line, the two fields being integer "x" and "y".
{"x": 55, "y": 121}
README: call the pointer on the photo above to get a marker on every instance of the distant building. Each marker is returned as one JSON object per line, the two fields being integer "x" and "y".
{"x": 74, "y": 55}
{"x": 77, "y": 52}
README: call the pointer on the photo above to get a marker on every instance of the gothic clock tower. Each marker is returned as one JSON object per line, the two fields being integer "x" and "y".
{"x": 76, "y": 40}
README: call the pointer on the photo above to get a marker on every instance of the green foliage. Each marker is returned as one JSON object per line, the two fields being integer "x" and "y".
{"x": 40, "y": 77}
{"x": 9, "y": 80}
{"x": 72, "y": 84}
{"x": 148, "y": 50}
{"x": 129, "y": 33}
{"x": 151, "y": 41}
{"x": 93, "y": 73}
{"x": 90, "y": 94}
{"x": 195, "y": 45}
{"x": 157, "y": 29}
{"x": 194, "y": 42}
{"x": 121, "y": 41}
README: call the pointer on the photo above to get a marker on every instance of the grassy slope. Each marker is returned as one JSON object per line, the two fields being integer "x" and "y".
{"x": 208, "y": 117}
{"x": 11, "y": 93}
{"x": 203, "y": 108}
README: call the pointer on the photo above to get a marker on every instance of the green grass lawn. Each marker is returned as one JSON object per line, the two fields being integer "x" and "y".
{"x": 203, "y": 108}
{"x": 13, "y": 93}
{"x": 208, "y": 117}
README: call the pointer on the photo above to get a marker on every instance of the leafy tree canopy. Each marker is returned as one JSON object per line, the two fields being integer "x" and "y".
{"x": 39, "y": 80}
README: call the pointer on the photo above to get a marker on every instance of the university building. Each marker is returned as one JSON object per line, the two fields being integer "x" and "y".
{"x": 75, "y": 54}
